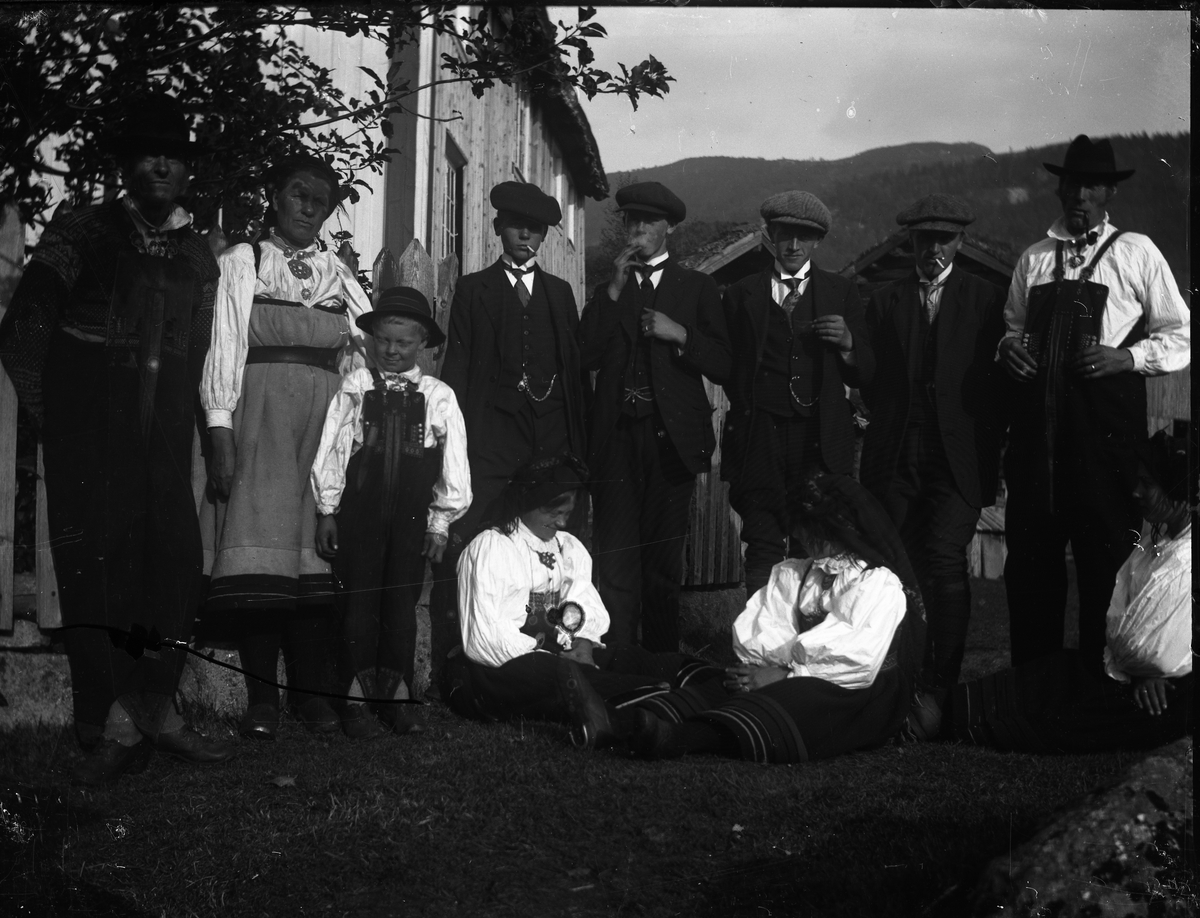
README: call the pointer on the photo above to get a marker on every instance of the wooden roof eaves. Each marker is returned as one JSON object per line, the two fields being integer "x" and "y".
{"x": 733, "y": 251}
{"x": 973, "y": 252}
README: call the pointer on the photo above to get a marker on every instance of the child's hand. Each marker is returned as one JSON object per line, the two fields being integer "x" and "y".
{"x": 435, "y": 546}
{"x": 327, "y": 537}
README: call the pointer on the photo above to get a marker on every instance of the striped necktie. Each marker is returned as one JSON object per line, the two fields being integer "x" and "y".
{"x": 519, "y": 286}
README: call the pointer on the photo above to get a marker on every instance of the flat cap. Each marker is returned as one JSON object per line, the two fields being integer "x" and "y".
{"x": 526, "y": 200}
{"x": 937, "y": 212}
{"x": 653, "y": 198}
{"x": 798, "y": 207}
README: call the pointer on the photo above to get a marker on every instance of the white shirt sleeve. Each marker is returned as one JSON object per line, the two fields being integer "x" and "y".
{"x": 578, "y": 587}
{"x": 1168, "y": 343}
{"x": 849, "y": 646}
{"x": 452, "y": 491}
{"x": 492, "y": 597}
{"x": 342, "y": 428}
{"x": 765, "y": 631}
{"x": 1016, "y": 306}
{"x": 225, "y": 363}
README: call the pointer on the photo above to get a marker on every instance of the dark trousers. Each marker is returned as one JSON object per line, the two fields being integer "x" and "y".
{"x": 780, "y": 451}
{"x": 935, "y": 525}
{"x": 123, "y": 526}
{"x": 509, "y": 441}
{"x": 1094, "y": 511}
{"x": 641, "y": 492}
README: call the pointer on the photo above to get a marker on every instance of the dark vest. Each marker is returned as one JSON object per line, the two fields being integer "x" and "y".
{"x": 921, "y": 407}
{"x": 529, "y": 332}
{"x": 638, "y": 386}
{"x": 791, "y": 361}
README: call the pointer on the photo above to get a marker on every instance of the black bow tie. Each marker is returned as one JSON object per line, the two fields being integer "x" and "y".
{"x": 518, "y": 272}
{"x": 650, "y": 269}
{"x": 1089, "y": 239}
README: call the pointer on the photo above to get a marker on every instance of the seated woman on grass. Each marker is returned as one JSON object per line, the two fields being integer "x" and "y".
{"x": 828, "y": 650}
{"x": 532, "y": 621}
{"x": 1140, "y": 694}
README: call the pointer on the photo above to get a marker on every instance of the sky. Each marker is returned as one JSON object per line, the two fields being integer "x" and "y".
{"x": 829, "y": 83}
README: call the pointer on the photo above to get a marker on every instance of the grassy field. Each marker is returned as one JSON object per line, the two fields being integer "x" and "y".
{"x": 509, "y": 820}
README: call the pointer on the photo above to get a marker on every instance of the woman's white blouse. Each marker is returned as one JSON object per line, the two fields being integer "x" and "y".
{"x": 861, "y": 611}
{"x": 342, "y": 436}
{"x": 332, "y": 283}
{"x": 496, "y": 574}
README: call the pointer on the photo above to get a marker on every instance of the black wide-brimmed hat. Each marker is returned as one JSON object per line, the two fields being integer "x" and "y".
{"x": 409, "y": 303}
{"x": 154, "y": 123}
{"x": 1089, "y": 160}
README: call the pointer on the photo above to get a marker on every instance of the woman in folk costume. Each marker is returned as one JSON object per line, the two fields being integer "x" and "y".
{"x": 828, "y": 649}
{"x": 531, "y": 618}
{"x": 104, "y": 339}
{"x": 283, "y": 338}
{"x": 1140, "y": 695}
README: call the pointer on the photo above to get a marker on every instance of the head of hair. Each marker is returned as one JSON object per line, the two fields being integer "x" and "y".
{"x": 539, "y": 483}
{"x": 1166, "y": 459}
{"x": 282, "y": 172}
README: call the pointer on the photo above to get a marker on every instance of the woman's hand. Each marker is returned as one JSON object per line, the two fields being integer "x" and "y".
{"x": 747, "y": 678}
{"x": 580, "y": 652}
{"x": 327, "y": 537}
{"x": 434, "y": 547}
{"x": 224, "y": 459}
{"x": 1150, "y": 694}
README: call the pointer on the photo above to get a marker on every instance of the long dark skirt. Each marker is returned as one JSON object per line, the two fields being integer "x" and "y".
{"x": 795, "y": 720}
{"x": 123, "y": 526}
{"x": 1059, "y": 704}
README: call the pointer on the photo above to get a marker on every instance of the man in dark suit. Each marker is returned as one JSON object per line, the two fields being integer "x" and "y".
{"x": 651, "y": 333}
{"x": 513, "y": 363}
{"x": 798, "y": 339}
{"x": 932, "y": 448}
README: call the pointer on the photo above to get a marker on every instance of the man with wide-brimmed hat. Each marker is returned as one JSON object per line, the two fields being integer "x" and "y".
{"x": 798, "y": 338}
{"x": 512, "y": 361}
{"x": 931, "y": 453}
{"x": 651, "y": 333}
{"x": 104, "y": 341}
{"x": 1092, "y": 311}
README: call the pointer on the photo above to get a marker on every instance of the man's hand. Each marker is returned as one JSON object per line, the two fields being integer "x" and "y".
{"x": 224, "y": 459}
{"x": 747, "y": 678}
{"x": 580, "y": 652}
{"x": 327, "y": 541}
{"x": 625, "y": 258}
{"x": 1017, "y": 361}
{"x": 833, "y": 330}
{"x": 1150, "y": 694}
{"x": 661, "y": 326}
{"x": 1098, "y": 361}
{"x": 435, "y": 546}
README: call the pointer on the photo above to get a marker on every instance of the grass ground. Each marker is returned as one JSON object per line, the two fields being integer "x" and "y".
{"x": 509, "y": 820}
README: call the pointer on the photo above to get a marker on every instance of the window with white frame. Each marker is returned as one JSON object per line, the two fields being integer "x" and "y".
{"x": 452, "y": 201}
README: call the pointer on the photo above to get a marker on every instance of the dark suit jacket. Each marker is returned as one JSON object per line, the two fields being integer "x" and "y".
{"x": 967, "y": 381}
{"x": 608, "y": 330}
{"x": 746, "y": 314}
{"x": 475, "y": 365}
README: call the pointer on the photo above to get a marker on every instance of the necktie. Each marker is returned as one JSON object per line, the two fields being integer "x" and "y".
{"x": 793, "y": 297}
{"x": 929, "y": 298}
{"x": 519, "y": 286}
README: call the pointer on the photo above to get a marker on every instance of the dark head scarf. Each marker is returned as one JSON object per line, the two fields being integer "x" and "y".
{"x": 538, "y": 483}
{"x": 1166, "y": 459}
{"x": 841, "y": 509}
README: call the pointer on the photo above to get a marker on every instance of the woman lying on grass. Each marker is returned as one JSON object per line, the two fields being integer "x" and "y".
{"x": 531, "y": 619}
{"x": 1139, "y": 695}
{"x": 828, "y": 647}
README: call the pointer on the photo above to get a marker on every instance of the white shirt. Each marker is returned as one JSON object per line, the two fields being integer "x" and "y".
{"x": 496, "y": 574}
{"x": 526, "y": 278}
{"x": 342, "y": 435}
{"x": 655, "y": 276}
{"x": 1149, "y": 622}
{"x": 1139, "y": 283}
{"x": 861, "y": 611}
{"x": 780, "y": 290}
{"x": 932, "y": 291}
{"x": 332, "y": 282}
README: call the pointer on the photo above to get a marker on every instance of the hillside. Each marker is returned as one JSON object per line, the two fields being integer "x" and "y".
{"x": 1011, "y": 193}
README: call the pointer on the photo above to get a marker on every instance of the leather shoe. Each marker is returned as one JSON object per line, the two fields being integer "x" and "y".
{"x": 108, "y": 760}
{"x": 591, "y": 726}
{"x": 398, "y": 720}
{"x": 654, "y": 738}
{"x": 188, "y": 745}
{"x": 360, "y": 723}
{"x": 260, "y": 722}
{"x": 318, "y": 717}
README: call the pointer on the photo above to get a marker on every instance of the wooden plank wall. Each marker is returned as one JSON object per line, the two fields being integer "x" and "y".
{"x": 12, "y": 257}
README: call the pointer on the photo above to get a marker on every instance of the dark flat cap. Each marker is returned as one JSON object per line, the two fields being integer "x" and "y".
{"x": 653, "y": 198}
{"x": 797, "y": 207}
{"x": 937, "y": 212}
{"x": 1089, "y": 160}
{"x": 407, "y": 302}
{"x": 526, "y": 200}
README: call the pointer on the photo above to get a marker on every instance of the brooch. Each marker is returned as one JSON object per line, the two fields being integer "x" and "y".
{"x": 547, "y": 558}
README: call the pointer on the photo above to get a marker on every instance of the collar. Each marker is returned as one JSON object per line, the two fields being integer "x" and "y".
{"x": 1058, "y": 230}
{"x": 782, "y": 277}
{"x": 937, "y": 281}
{"x": 412, "y": 375}
{"x": 658, "y": 260}
{"x": 177, "y": 219}
{"x": 527, "y": 534}
{"x": 287, "y": 247}
{"x": 840, "y": 564}
{"x": 507, "y": 262}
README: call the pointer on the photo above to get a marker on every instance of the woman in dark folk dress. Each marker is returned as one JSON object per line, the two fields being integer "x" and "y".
{"x": 103, "y": 341}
